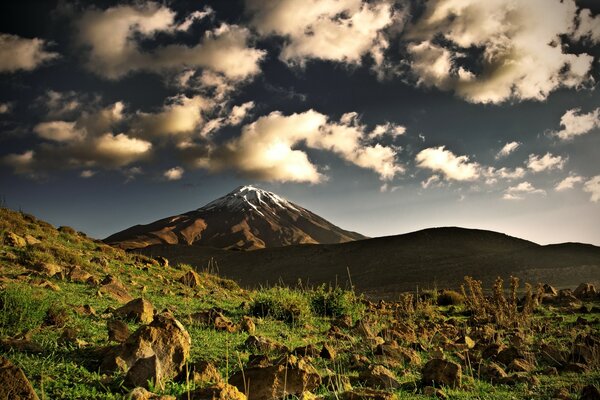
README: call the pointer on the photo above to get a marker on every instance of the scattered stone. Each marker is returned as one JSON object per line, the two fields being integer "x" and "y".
{"x": 590, "y": 392}
{"x": 113, "y": 287}
{"x": 466, "y": 341}
{"x": 368, "y": 394}
{"x": 258, "y": 360}
{"x": 45, "y": 284}
{"x": 220, "y": 391}
{"x": 378, "y": 376}
{"x": 434, "y": 392}
{"x": 85, "y": 309}
{"x": 161, "y": 348}
{"x": 79, "y": 275}
{"x": 552, "y": 355}
{"x": 118, "y": 331}
{"x": 101, "y": 261}
{"x": 561, "y": 394}
{"x": 215, "y": 318}
{"x": 24, "y": 344}
{"x": 162, "y": 262}
{"x": 48, "y": 269}
{"x": 492, "y": 372}
{"x": 585, "y": 291}
{"x": 14, "y": 240}
{"x": 277, "y": 381}
{"x": 264, "y": 345}
{"x": 328, "y": 352}
{"x": 441, "y": 372}
{"x": 14, "y": 385}
{"x": 548, "y": 289}
{"x": 519, "y": 378}
{"x": 139, "y": 393}
{"x": 507, "y": 355}
{"x": 138, "y": 310}
{"x": 310, "y": 350}
{"x": 31, "y": 241}
{"x": 200, "y": 373}
{"x": 398, "y": 354}
{"x": 520, "y": 365}
{"x": 576, "y": 367}
{"x": 191, "y": 279}
{"x": 247, "y": 325}
{"x": 491, "y": 351}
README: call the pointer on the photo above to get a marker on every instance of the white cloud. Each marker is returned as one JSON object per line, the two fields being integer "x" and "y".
{"x": 21, "y": 163}
{"x": 575, "y": 123}
{"x": 17, "y": 53}
{"x": 389, "y": 128}
{"x": 522, "y": 57}
{"x": 568, "y": 183}
{"x": 517, "y": 192}
{"x": 492, "y": 175}
{"x": 592, "y": 186}
{"x": 59, "y": 131}
{"x": 507, "y": 149}
{"x": 113, "y": 38}
{"x": 335, "y": 30}
{"x": 268, "y": 149}
{"x": 538, "y": 163}
{"x": 239, "y": 113}
{"x": 60, "y": 104}
{"x": 453, "y": 167}
{"x": 588, "y": 27}
{"x": 173, "y": 174}
{"x": 119, "y": 150}
{"x": 433, "y": 180}
{"x": 87, "y": 173}
{"x": 5, "y": 108}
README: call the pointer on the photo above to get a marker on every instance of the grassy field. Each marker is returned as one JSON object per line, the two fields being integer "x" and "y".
{"x": 55, "y": 328}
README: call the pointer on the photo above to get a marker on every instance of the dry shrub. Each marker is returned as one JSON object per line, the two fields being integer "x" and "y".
{"x": 450, "y": 298}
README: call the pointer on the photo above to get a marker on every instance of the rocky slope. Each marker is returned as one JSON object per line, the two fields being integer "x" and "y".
{"x": 248, "y": 218}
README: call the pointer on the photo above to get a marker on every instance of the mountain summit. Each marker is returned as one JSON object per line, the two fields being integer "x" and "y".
{"x": 247, "y": 218}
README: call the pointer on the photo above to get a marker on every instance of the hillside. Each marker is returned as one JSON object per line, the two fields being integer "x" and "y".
{"x": 247, "y": 218}
{"x": 383, "y": 267}
{"x": 82, "y": 320}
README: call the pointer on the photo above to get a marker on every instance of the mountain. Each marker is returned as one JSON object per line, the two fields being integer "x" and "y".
{"x": 385, "y": 266}
{"x": 247, "y": 218}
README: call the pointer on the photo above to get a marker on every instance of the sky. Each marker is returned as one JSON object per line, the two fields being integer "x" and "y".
{"x": 383, "y": 116}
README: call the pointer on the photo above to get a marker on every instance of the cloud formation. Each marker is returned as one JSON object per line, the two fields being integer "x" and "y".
{"x": 548, "y": 161}
{"x": 17, "y": 53}
{"x": 453, "y": 167}
{"x": 173, "y": 174}
{"x": 568, "y": 183}
{"x": 517, "y": 192}
{"x": 270, "y": 148}
{"x": 113, "y": 39}
{"x": 592, "y": 187}
{"x": 334, "y": 30}
{"x": 507, "y": 149}
{"x": 574, "y": 123}
{"x": 518, "y": 47}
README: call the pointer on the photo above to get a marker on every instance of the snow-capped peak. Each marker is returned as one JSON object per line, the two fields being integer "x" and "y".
{"x": 250, "y": 197}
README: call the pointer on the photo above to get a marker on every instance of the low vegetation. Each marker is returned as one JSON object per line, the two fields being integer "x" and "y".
{"x": 70, "y": 306}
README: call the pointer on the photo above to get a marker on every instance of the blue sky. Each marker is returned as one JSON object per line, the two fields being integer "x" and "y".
{"x": 382, "y": 116}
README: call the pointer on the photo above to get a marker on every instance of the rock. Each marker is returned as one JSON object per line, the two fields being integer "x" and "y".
{"x": 68, "y": 336}
{"x": 398, "y": 354}
{"x": 264, "y": 345}
{"x": 552, "y": 355}
{"x": 79, "y": 275}
{"x": 492, "y": 372}
{"x": 45, "y": 284}
{"x": 31, "y": 241}
{"x": 328, "y": 352}
{"x": 441, "y": 372}
{"x": 247, "y": 325}
{"x": 48, "y": 269}
{"x": 548, "y": 289}
{"x": 378, "y": 376}
{"x": 14, "y": 385}
{"x": 191, "y": 279}
{"x": 101, "y": 261}
{"x": 519, "y": 378}
{"x": 220, "y": 391}
{"x": 576, "y": 368}
{"x": 85, "y": 309}
{"x": 585, "y": 291}
{"x": 23, "y": 344}
{"x": 161, "y": 349}
{"x": 139, "y": 393}
{"x": 434, "y": 392}
{"x": 561, "y": 394}
{"x": 14, "y": 240}
{"x": 590, "y": 392}
{"x": 491, "y": 351}
{"x": 310, "y": 350}
{"x": 520, "y": 365}
{"x": 277, "y": 381}
{"x": 138, "y": 310}
{"x": 162, "y": 262}
{"x": 113, "y": 287}
{"x": 507, "y": 355}
{"x": 118, "y": 331}
{"x": 215, "y": 318}
{"x": 368, "y": 394}
{"x": 583, "y": 354}
{"x": 200, "y": 373}
{"x": 466, "y": 341}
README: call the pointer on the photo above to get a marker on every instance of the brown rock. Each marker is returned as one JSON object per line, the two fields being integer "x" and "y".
{"x": 552, "y": 355}
{"x": 576, "y": 367}
{"x": 24, "y": 344}
{"x": 215, "y": 318}
{"x": 139, "y": 310}
{"x": 200, "y": 373}
{"x": 399, "y": 354}
{"x": 113, "y": 287}
{"x": 507, "y": 355}
{"x": 590, "y": 392}
{"x": 492, "y": 372}
{"x": 520, "y": 365}
{"x": 162, "y": 262}
{"x": 434, "y": 392}
{"x": 14, "y": 240}
{"x": 519, "y": 378}
{"x": 85, "y": 309}
{"x": 118, "y": 331}
{"x": 13, "y": 382}
{"x": 585, "y": 291}
{"x": 247, "y": 325}
{"x": 79, "y": 275}
{"x": 191, "y": 279}
{"x": 306, "y": 351}
{"x": 328, "y": 352}
{"x": 276, "y": 381}
{"x": 441, "y": 372}
{"x": 368, "y": 394}
{"x": 220, "y": 391}
{"x": 161, "y": 349}
{"x": 491, "y": 351}
{"x": 550, "y": 290}
{"x": 264, "y": 345}
{"x": 45, "y": 284}
{"x": 378, "y": 376}
{"x": 31, "y": 241}
{"x": 140, "y": 393}
{"x": 48, "y": 269}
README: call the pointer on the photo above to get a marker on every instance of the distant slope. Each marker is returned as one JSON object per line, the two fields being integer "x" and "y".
{"x": 385, "y": 266}
{"x": 248, "y": 218}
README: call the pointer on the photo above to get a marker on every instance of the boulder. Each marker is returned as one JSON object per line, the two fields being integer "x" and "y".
{"x": 248, "y": 325}
{"x": 310, "y": 350}
{"x": 552, "y": 355}
{"x": 585, "y": 291}
{"x": 264, "y": 345}
{"x": 191, "y": 279}
{"x": 14, "y": 385}
{"x": 434, "y": 392}
{"x": 48, "y": 269}
{"x": 31, "y": 241}
{"x": 200, "y": 373}
{"x": 441, "y": 372}
{"x": 328, "y": 352}
{"x": 492, "y": 372}
{"x": 507, "y": 355}
{"x": 399, "y": 354}
{"x": 163, "y": 262}
{"x": 277, "y": 381}
{"x": 79, "y": 275}
{"x": 113, "y": 287}
{"x": 220, "y": 391}
{"x": 14, "y": 240}
{"x": 138, "y": 310}
{"x": 520, "y": 365}
{"x": 216, "y": 319}
{"x": 118, "y": 331}
{"x": 155, "y": 352}
{"x": 378, "y": 376}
